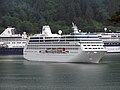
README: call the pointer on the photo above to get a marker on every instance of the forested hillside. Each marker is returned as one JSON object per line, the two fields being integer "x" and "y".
{"x": 31, "y": 15}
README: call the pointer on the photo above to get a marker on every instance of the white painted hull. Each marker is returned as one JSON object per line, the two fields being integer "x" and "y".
{"x": 82, "y": 56}
{"x": 113, "y": 49}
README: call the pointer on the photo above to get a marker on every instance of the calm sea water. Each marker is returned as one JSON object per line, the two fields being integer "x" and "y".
{"x": 18, "y": 74}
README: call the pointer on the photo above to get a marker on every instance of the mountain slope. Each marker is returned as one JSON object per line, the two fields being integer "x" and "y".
{"x": 31, "y": 15}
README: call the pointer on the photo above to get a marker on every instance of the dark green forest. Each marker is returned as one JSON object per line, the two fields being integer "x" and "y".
{"x": 31, "y": 15}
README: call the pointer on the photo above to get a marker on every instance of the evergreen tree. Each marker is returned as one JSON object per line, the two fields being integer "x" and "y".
{"x": 115, "y": 18}
{"x": 31, "y": 15}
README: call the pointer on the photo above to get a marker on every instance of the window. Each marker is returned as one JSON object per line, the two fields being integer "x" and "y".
{"x": 23, "y": 42}
{"x": 34, "y": 41}
{"x": 34, "y": 38}
{"x": 18, "y": 42}
{"x": 13, "y": 42}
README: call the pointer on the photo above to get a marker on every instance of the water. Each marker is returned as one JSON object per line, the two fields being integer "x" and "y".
{"x": 18, "y": 74}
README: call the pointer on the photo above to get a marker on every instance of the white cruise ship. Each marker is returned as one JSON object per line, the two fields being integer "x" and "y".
{"x": 12, "y": 43}
{"x": 111, "y": 42}
{"x": 77, "y": 47}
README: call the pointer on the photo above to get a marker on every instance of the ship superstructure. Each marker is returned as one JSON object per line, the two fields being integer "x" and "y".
{"x": 12, "y": 43}
{"x": 111, "y": 42}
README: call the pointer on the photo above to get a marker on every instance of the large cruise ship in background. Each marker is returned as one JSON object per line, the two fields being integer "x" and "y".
{"x": 111, "y": 42}
{"x": 11, "y": 43}
{"x": 76, "y": 47}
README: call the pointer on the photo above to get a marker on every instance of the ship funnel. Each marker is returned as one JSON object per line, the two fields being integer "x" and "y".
{"x": 46, "y": 30}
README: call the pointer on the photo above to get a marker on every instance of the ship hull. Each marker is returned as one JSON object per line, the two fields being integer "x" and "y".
{"x": 82, "y": 56}
{"x": 113, "y": 49}
{"x": 11, "y": 51}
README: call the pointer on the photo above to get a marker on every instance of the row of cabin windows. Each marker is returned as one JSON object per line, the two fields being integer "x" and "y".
{"x": 45, "y": 41}
{"x": 64, "y": 37}
{"x": 50, "y": 45}
{"x": 47, "y": 47}
{"x": 19, "y": 46}
{"x": 16, "y": 42}
{"x": 112, "y": 43}
{"x": 61, "y": 40}
{"x": 94, "y": 48}
{"x": 92, "y": 45}
{"x": 51, "y": 48}
{"x": 9, "y": 39}
{"x": 50, "y": 40}
{"x": 63, "y": 43}
{"x": 36, "y": 38}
